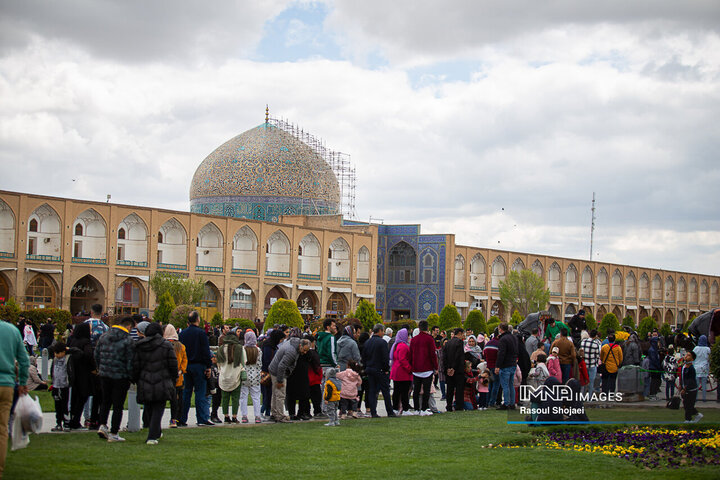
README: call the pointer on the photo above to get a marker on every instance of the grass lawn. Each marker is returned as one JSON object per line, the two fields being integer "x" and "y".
{"x": 441, "y": 446}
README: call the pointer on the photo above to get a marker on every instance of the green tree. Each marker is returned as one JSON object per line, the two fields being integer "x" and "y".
{"x": 284, "y": 311}
{"x": 367, "y": 314}
{"x": 10, "y": 311}
{"x": 491, "y": 326}
{"x": 590, "y": 321}
{"x": 524, "y": 291}
{"x": 646, "y": 326}
{"x": 609, "y": 321}
{"x": 164, "y": 309}
{"x": 217, "y": 319}
{"x": 516, "y": 318}
{"x": 184, "y": 291}
{"x": 628, "y": 321}
{"x": 665, "y": 330}
{"x": 475, "y": 321}
{"x": 179, "y": 316}
{"x": 449, "y": 318}
{"x": 433, "y": 320}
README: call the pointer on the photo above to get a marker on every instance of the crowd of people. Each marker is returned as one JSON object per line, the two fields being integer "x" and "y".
{"x": 336, "y": 373}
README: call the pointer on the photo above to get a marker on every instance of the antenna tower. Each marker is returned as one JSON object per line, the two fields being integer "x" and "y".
{"x": 592, "y": 226}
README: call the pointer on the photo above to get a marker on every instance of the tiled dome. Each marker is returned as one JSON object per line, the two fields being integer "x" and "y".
{"x": 264, "y": 173}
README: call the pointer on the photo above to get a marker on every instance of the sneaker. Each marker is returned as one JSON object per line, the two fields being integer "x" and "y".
{"x": 697, "y": 418}
{"x": 215, "y": 419}
{"x": 206, "y": 424}
{"x": 173, "y": 424}
{"x": 57, "y": 428}
{"x": 227, "y": 420}
{"x": 181, "y": 424}
{"x": 329, "y": 424}
{"x": 336, "y": 424}
{"x": 257, "y": 420}
{"x": 151, "y": 442}
{"x": 502, "y": 407}
{"x": 426, "y": 413}
{"x": 114, "y": 437}
{"x": 103, "y": 432}
{"x": 234, "y": 420}
{"x": 284, "y": 420}
{"x": 407, "y": 413}
{"x": 245, "y": 420}
{"x": 354, "y": 414}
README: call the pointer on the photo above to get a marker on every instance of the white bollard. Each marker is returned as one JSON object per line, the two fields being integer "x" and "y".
{"x": 133, "y": 410}
{"x": 44, "y": 364}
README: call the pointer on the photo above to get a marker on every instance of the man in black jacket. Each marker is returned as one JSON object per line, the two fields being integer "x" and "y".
{"x": 197, "y": 348}
{"x": 376, "y": 358}
{"x": 506, "y": 364}
{"x": 454, "y": 362}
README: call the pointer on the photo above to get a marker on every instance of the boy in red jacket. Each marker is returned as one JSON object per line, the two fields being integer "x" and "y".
{"x": 424, "y": 364}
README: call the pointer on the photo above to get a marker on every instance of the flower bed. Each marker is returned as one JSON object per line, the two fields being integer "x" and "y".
{"x": 646, "y": 447}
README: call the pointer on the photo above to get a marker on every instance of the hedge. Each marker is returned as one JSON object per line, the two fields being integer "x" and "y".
{"x": 240, "y": 322}
{"x": 449, "y": 318}
{"x": 475, "y": 321}
{"x": 62, "y": 318}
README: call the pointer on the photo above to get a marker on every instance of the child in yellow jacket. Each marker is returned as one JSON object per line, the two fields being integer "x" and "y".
{"x": 332, "y": 396}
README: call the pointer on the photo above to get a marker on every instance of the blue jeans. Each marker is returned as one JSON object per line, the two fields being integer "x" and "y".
{"x": 494, "y": 389}
{"x": 195, "y": 379}
{"x": 506, "y": 380}
{"x": 566, "y": 370}
{"x": 592, "y": 373}
{"x": 702, "y": 385}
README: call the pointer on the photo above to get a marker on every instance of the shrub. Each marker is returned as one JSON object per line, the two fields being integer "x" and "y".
{"x": 590, "y": 321}
{"x": 475, "y": 321}
{"x": 516, "y": 318}
{"x": 179, "y": 316}
{"x": 240, "y": 322}
{"x": 492, "y": 326}
{"x": 628, "y": 321}
{"x": 164, "y": 309}
{"x": 449, "y": 318}
{"x": 367, "y": 315}
{"x": 646, "y": 326}
{"x": 62, "y": 318}
{"x": 398, "y": 324}
{"x": 285, "y": 312}
{"x": 665, "y": 330}
{"x": 433, "y": 320}
{"x": 609, "y": 321}
{"x": 217, "y": 319}
{"x": 10, "y": 311}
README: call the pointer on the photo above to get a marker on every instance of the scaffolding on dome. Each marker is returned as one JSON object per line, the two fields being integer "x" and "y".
{"x": 339, "y": 162}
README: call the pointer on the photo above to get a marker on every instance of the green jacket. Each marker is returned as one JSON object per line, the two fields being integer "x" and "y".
{"x": 12, "y": 349}
{"x": 552, "y": 332}
{"x": 327, "y": 349}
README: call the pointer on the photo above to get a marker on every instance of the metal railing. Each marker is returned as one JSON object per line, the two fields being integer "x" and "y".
{"x": 96, "y": 261}
{"x": 207, "y": 268}
{"x": 171, "y": 266}
{"x": 43, "y": 258}
{"x": 131, "y": 263}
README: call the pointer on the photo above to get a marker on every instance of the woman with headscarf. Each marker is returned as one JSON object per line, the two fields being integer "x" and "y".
{"x": 268, "y": 348}
{"x": 702, "y": 364}
{"x": 82, "y": 366}
{"x": 298, "y": 383}
{"x": 251, "y": 386}
{"x": 631, "y": 351}
{"x": 401, "y": 372}
{"x": 473, "y": 352}
{"x": 231, "y": 363}
{"x": 347, "y": 348}
{"x": 176, "y": 402}
{"x": 481, "y": 340}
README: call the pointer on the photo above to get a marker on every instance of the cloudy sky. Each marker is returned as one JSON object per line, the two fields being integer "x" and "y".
{"x": 495, "y": 121}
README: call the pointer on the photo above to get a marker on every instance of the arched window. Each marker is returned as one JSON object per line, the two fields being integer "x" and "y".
{"x": 363, "y": 264}
{"x": 39, "y": 293}
{"x": 602, "y": 283}
{"x": 33, "y": 225}
{"x": 477, "y": 272}
{"x": 309, "y": 257}
{"x": 571, "y": 284}
{"x": 160, "y": 237}
{"x": 121, "y": 234}
{"x": 128, "y": 297}
{"x": 78, "y": 230}
{"x": 401, "y": 262}
{"x": 554, "y": 281}
{"x": 498, "y": 271}
{"x": 460, "y": 271}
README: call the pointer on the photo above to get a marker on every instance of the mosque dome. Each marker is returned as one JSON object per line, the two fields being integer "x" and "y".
{"x": 263, "y": 173}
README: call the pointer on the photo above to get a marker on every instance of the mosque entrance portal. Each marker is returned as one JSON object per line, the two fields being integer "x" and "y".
{"x": 400, "y": 314}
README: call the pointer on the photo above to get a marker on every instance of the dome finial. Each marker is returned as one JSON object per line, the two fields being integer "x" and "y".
{"x": 267, "y": 114}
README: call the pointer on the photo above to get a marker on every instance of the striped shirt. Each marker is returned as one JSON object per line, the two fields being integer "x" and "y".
{"x": 591, "y": 351}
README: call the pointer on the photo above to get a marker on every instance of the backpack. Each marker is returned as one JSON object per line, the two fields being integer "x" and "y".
{"x": 673, "y": 403}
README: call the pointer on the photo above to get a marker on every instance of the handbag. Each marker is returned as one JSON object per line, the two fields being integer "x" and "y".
{"x": 674, "y": 403}
{"x": 265, "y": 379}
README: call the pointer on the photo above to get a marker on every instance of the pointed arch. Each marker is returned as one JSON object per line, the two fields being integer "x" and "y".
{"x": 339, "y": 256}
{"x": 669, "y": 289}
{"x": 129, "y": 297}
{"x": 132, "y": 246}
{"x": 209, "y": 250}
{"x": 518, "y": 265}
{"x": 554, "y": 280}
{"x": 89, "y": 239}
{"x": 172, "y": 244}
{"x": 211, "y": 302}
{"x": 644, "y": 287}
{"x": 682, "y": 290}
{"x": 242, "y": 302}
{"x": 616, "y": 290}
{"x": 498, "y": 271}
{"x": 277, "y": 256}
{"x": 704, "y": 292}
{"x": 402, "y": 264}
{"x": 657, "y": 288}
{"x": 571, "y": 281}
{"x": 714, "y": 293}
{"x": 7, "y": 230}
{"x": 363, "y": 265}
{"x": 41, "y": 292}
{"x": 459, "y": 271}
{"x": 537, "y": 268}
{"x": 86, "y": 292}
{"x": 630, "y": 286}
{"x": 602, "y": 283}
{"x": 693, "y": 291}
{"x": 244, "y": 252}
{"x": 309, "y": 252}
{"x": 44, "y": 234}
{"x": 478, "y": 270}
{"x": 586, "y": 281}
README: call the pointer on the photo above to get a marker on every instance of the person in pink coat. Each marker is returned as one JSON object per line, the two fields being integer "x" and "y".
{"x": 401, "y": 371}
{"x": 351, "y": 381}
{"x": 553, "y": 364}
